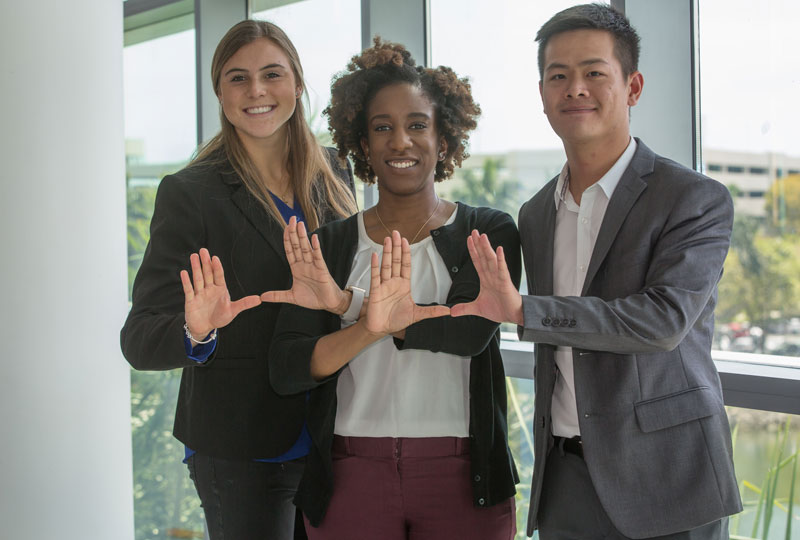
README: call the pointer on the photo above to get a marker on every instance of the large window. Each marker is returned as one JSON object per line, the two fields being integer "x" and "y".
{"x": 160, "y": 136}
{"x": 748, "y": 88}
{"x": 326, "y": 34}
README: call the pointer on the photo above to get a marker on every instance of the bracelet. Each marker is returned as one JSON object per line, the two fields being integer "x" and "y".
{"x": 211, "y": 337}
{"x": 351, "y": 315}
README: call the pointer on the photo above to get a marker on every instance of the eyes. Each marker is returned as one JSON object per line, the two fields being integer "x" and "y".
{"x": 267, "y": 75}
{"x": 594, "y": 74}
{"x": 416, "y": 126}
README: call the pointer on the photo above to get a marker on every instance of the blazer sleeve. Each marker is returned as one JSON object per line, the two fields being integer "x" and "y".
{"x": 685, "y": 266}
{"x": 152, "y": 337}
{"x": 467, "y": 336}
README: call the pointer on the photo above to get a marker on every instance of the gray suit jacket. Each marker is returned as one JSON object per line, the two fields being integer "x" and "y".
{"x": 655, "y": 434}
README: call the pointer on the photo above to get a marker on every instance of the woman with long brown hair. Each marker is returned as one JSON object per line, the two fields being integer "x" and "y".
{"x": 245, "y": 445}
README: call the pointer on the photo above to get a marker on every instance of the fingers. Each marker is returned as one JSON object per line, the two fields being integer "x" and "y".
{"x": 397, "y": 252}
{"x": 287, "y": 241}
{"x": 305, "y": 246}
{"x": 197, "y": 272}
{"x": 188, "y": 291}
{"x": 244, "y": 303}
{"x": 405, "y": 269}
{"x": 375, "y": 276}
{"x": 278, "y": 297}
{"x": 429, "y": 312}
{"x": 217, "y": 271}
{"x": 386, "y": 260}
{"x": 461, "y": 310}
{"x": 205, "y": 262}
{"x": 316, "y": 253}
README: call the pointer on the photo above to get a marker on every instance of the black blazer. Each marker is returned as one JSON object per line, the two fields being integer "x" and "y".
{"x": 226, "y": 406}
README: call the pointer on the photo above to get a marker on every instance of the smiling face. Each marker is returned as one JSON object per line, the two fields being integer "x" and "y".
{"x": 402, "y": 141}
{"x": 585, "y": 94}
{"x": 258, "y": 92}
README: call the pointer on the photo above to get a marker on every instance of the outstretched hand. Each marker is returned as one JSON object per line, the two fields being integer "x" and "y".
{"x": 391, "y": 308}
{"x": 207, "y": 302}
{"x": 498, "y": 300}
{"x": 312, "y": 284}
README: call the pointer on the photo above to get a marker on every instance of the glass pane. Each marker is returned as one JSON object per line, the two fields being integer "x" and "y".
{"x": 160, "y": 136}
{"x": 748, "y": 90}
{"x": 326, "y": 34}
{"x": 766, "y": 452}
{"x": 514, "y": 152}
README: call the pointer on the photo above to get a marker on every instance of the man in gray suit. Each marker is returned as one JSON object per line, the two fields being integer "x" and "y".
{"x": 623, "y": 252}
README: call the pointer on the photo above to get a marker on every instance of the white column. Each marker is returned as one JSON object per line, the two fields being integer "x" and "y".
{"x": 65, "y": 443}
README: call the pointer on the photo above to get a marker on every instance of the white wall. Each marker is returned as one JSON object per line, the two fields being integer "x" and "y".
{"x": 65, "y": 452}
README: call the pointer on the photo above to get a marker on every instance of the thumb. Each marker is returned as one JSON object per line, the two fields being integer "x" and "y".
{"x": 277, "y": 297}
{"x": 245, "y": 303}
{"x": 460, "y": 310}
{"x": 429, "y": 312}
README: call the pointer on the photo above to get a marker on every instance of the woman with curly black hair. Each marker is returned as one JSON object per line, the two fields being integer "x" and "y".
{"x": 407, "y": 405}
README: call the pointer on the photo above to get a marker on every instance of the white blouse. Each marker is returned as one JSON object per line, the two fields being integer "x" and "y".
{"x": 386, "y": 392}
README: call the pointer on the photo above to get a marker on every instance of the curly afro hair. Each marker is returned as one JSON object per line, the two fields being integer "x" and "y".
{"x": 385, "y": 64}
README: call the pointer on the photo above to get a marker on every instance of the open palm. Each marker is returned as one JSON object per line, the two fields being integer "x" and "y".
{"x": 312, "y": 284}
{"x": 391, "y": 308}
{"x": 498, "y": 299}
{"x": 207, "y": 302}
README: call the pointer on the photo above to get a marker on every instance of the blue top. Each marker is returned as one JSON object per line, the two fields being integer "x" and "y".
{"x": 200, "y": 353}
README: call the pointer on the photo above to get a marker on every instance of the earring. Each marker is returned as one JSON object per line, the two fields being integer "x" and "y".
{"x": 441, "y": 155}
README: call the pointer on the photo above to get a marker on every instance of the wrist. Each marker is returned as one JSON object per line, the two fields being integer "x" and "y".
{"x": 199, "y": 337}
{"x": 353, "y": 311}
{"x": 344, "y": 302}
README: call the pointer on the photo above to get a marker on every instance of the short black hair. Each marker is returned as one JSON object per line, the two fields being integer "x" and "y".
{"x": 594, "y": 17}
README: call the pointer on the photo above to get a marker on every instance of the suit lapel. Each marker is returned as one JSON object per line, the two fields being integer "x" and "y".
{"x": 628, "y": 190}
{"x": 543, "y": 261}
{"x": 256, "y": 215}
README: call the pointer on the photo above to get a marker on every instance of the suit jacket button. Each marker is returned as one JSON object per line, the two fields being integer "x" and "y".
{"x": 454, "y": 269}
{"x": 477, "y": 478}
{"x": 573, "y": 323}
{"x": 556, "y": 323}
{"x": 435, "y": 233}
{"x": 564, "y": 322}
{"x": 546, "y": 321}
{"x": 481, "y": 501}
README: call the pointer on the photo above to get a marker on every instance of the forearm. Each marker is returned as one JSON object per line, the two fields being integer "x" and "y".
{"x": 334, "y": 351}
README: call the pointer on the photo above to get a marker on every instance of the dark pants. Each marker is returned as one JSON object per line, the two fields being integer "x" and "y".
{"x": 408, "y": 489}
{"x": 571, "y": 510}
{"x": 247, "y": 500}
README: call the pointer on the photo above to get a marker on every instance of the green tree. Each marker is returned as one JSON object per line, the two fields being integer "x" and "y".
{"x": 762, "y": 275}
{"x": 164, "y": 498}
{"x": 485, "y": 187}
{"x": 783, "y": 204}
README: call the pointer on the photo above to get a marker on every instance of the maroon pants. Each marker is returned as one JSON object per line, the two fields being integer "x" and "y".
{"x": 407, "y": 489}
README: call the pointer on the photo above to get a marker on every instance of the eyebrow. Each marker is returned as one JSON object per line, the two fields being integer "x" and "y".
{"x": 588, "y": 62}
{"x": 410, "y": 115}
{"x": 268, "y": 66}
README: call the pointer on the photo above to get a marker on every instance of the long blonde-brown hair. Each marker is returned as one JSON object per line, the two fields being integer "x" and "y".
{"x": 307, "y": 162}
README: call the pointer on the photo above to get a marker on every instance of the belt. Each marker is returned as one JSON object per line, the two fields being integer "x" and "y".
{"x": 573, "y": 445}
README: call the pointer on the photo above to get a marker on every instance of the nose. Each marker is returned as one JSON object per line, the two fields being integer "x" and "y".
{"x": 399, "y": 139}
{"x": 576, "y": 88}
{"x": 256, "y": 88}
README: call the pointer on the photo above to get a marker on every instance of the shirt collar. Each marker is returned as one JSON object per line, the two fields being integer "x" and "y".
{"x": 608, "y": 183}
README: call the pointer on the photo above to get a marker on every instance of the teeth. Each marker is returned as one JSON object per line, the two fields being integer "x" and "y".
{"x": 402, "y": 164}
{"x": 259, "y": 110}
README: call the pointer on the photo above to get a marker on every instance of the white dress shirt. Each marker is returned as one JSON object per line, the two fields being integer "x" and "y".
{"x": 576, "y": 232}
{"x": 386, "y": 392}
